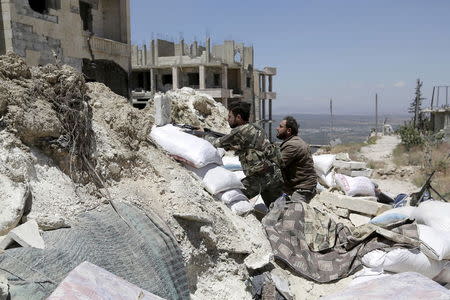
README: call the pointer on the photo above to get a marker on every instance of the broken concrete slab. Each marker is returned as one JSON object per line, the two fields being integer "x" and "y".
{"x": 281, "y": 281}
{"x": 26, "y": 235}
{"x": 47, "y": 223}
{"x": 354, "y": 173}
{"x": 257, "y": 261}
{"x": 352, "y": 165}
{"x": 12, "y": 203}
{"x": 342, "y": 212}
{"x": 343, "y": 156}
{"x": 192, "y": 217}
{"x": 358, "y": 219}
{"x": 355, "y": 204}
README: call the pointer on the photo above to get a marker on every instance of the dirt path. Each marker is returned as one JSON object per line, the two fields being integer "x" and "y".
{"x": 382, "y": 151}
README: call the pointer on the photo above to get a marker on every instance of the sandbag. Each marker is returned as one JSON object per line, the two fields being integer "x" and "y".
{"x": 328, "y": 179}
{"x": 219, "y": 179}
{"x": 435, "y": 214}
{"x": 323, "y": 163}
{"x": 196, "y": 151}
{"x": 404, "y": 260}
{"x": 240, "y": 174}
{"x": 394, "y": 215}
{"x": 231, "y": 196}
{"x": 232, "y": 163}
{"x": 355, "y": 186}
{"x": 241, "y": 207}
{"x": 434, "y": 243}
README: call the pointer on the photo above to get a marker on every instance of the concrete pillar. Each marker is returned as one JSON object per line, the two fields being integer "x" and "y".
{"x": 225, "y": 77}
{"x": 156, "y": 53}
{"x": 202, "y": 76}
{"x": 152, "y": 81}
{"x": 175, "y": 75}
{"x": 162, "y": 110}
{"x": 208, "y": 49}
{"x": 144, "y": 54}
{"x": 194, "y": 49}
{"x": 152, "y": 49}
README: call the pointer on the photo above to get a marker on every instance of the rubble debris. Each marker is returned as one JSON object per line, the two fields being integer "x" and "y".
{"x": 4, "y": 288}
{"x": 355, "y": 204}
{"x": 358, "y": 219}
{"x": 26, "y": 235}
{"x": 257, "y": 261}
{"x": 12, "y": 203}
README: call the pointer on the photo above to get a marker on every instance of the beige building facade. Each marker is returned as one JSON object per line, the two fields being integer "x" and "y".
{"x": 91, "y": 35}
{"x": 225, "y": 72}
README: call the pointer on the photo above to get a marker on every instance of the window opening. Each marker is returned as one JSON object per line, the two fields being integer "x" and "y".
{"x": 166, "y": 79}
{"x": 216, "y": 80}
{"x": 86, "y": 15}
{"x": 193, "y": 79}
{"x": 39, "y": 6}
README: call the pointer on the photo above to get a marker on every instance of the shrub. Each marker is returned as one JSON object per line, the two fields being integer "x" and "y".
{"x": 410, "y": 136}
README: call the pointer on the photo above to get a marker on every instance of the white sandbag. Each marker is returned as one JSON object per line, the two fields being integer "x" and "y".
{"x": 404, "y": 260}
{"x": 328, "y": 179}
{"x": 231, "y": 196}
{"x": 367, "y": 274}
{"x": 232, "y": 163}
{"x": 200, "y": 172}
{"x": 219, "y": 179}
{"x": 355, "y": 186}
{"x": 240, "y": 174}
{"x": 435, "y": 214}
{"x": 196, "y": 151}
{"x": 323, "y": 163}
{"x": 434, "y": 243}
{"x": 394, "y": 215}
{"x": 241, "y": 207}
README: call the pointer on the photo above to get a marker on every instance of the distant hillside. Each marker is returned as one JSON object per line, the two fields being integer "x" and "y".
{"x": 315, "y": 129}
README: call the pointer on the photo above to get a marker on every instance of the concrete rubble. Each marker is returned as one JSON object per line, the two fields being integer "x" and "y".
{"x": 221, "y": 249}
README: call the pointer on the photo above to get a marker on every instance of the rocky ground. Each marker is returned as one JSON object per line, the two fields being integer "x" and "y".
{"x": 45, "y": 158}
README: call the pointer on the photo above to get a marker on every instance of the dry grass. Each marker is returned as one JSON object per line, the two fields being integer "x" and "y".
{"x": 376, "y": 164}
{"x": 429, "y": 158}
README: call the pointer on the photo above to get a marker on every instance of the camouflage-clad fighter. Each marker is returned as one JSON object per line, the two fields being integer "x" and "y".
{"x": 259, "y": 158}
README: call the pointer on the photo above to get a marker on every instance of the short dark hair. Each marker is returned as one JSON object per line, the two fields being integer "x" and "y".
{"x": 241, "y": 108}
{"x": 292, "y": 124}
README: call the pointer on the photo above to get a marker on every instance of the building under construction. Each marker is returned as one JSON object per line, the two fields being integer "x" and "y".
{"x": 225, "y": 72}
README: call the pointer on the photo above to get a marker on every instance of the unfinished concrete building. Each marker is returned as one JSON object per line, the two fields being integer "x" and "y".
{"x": 440, "y": 110}
{"x": 225, "y": 72}
{"x": 91, "y": 35}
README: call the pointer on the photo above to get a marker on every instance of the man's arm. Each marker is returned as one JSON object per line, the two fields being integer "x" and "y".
{"x": 230, "y": 141}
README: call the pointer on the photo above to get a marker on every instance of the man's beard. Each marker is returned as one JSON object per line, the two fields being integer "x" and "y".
{"x": 233, "y": 125}
{"x": 281, "y": 136}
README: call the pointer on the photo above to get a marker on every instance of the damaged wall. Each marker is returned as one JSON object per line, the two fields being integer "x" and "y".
{"x": 53, "y": 31}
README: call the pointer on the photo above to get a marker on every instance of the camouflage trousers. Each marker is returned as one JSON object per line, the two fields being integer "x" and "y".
{"x": 269, "y": 185}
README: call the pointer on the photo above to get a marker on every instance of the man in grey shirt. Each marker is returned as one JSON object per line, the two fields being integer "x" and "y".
{"x": 297, "y": 167}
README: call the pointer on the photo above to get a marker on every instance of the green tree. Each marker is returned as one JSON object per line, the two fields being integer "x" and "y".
{"x": 416, "y": 106}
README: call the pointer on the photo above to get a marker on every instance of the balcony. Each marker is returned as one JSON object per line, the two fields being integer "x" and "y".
{"x": 108, "y": 47}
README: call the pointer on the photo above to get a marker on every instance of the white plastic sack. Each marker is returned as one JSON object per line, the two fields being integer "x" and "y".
{"x": 196, "y": 151}
{"x": 201, "y": 172}
{"x": 232, "y": 163}
{"x": 393, "y": 215}
{"x": 219, "y": 179}
{"x": 355, "y": 186}
{"x": 435, "y": 243}
{"x": 241, "y": 207}
{"x": 323, "y": 163}
{"x": 404, "y": 260}
{"x": 367, "y": 274}
{"x": 327, "y": 180}
{"x": 232, "y": 196}
{"x": 239, "y": 174}
{"x": 435, "y": 214}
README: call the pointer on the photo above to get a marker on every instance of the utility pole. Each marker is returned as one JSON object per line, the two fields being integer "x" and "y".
{"x": 331, "y": 119}
{"x": 376, "y": 114}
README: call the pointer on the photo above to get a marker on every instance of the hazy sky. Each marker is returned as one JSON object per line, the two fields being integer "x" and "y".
{"x": 345, "y": 50}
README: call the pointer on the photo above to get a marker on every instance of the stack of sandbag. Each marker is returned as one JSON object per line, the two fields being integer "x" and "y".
{"x": 355, "y": 186}
{"x": 433, "y": 257}
{"x": 344, "y": 165}
{"x": 232, "y": 163}
{"x": 205, "y": 161}
{"x": 323, "y": 164}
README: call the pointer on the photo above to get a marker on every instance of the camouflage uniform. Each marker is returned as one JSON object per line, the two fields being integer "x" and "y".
{"x": 259, "y": 158}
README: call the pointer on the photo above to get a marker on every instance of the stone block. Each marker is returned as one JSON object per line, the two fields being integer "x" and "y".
{"x": 352, "y": 165}
{"x": 341, "y": 212}
{"x": 12, "y": 203}
{"x": 26, "y": 235}
{"x": 356, "y": 173}
{"x": 162, "y": 110}
{"x": 358, "y": 219}
{"x": 257, "y": 261}
{"x": 364, "y": 205}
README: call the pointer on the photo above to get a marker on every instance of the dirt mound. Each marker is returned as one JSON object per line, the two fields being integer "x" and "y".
{"x": 197, "y": 109}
